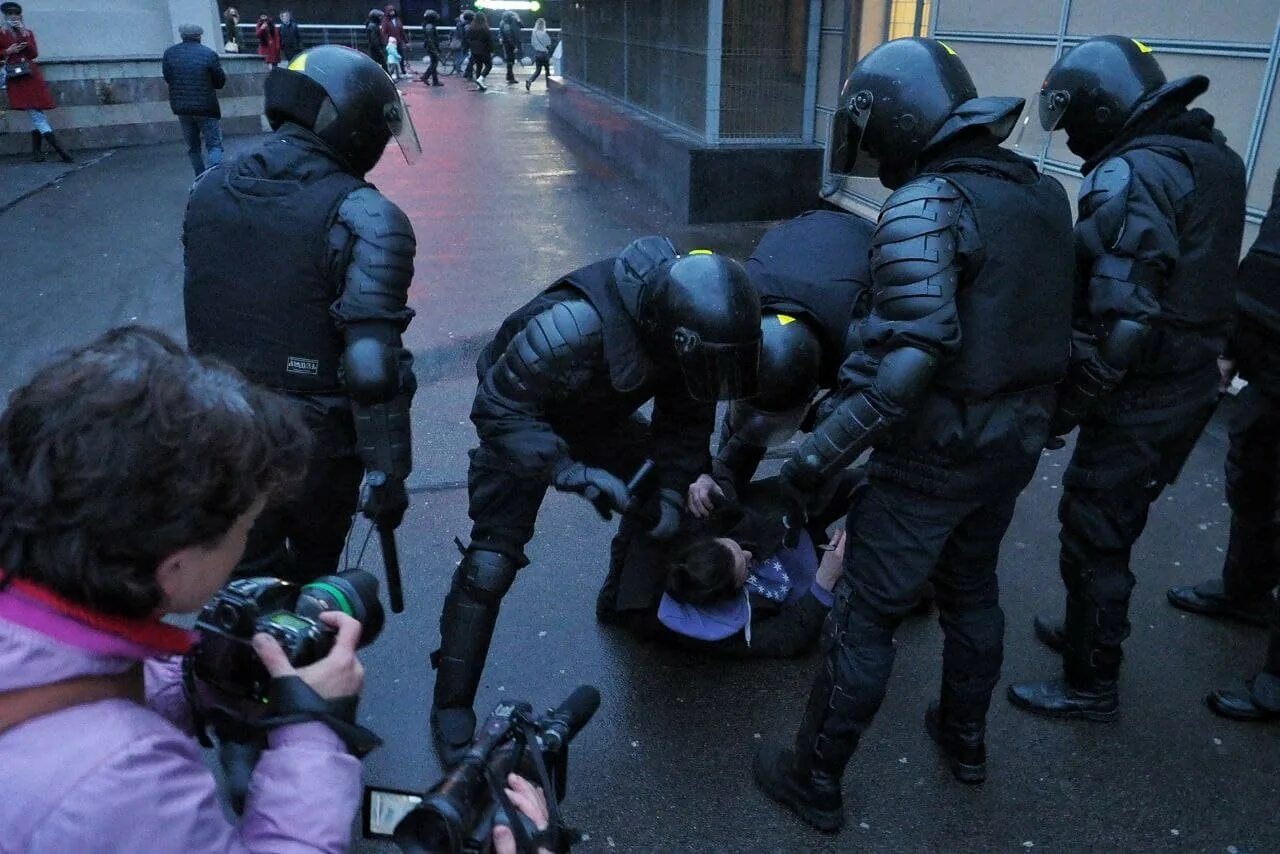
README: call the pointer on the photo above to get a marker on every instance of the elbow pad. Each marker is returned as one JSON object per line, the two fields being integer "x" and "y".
{"x": 371, "y": 371}
{"x": 1124, "y": 344}
{"x": 903, "y": 378}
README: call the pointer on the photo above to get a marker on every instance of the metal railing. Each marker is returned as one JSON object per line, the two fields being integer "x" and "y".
{"x": 353, "y": 35}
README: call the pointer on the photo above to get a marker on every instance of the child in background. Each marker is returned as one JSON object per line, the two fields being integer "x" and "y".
{"x": 393, "y": 58}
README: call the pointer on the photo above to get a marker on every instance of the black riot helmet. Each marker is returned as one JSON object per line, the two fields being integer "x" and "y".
{"x": 892, "y": 105}
{"x": 347, "y": 100}
{"x": 703, "y": 312}
{"x": 790, "y": 363}
{"x": 1093, "y": 91}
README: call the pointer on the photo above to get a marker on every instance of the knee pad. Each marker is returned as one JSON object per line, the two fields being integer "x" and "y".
{"x": 485, "y": 576}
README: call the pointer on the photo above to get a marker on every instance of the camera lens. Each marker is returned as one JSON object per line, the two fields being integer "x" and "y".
{"x": 227, "y": 615}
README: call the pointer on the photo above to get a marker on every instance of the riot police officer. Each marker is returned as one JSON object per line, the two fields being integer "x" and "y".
{"x": 556, "y": 405}
{"x": 1251, "y": 571}
{"x": 1161, "y": 217}
{"x": 319, "y": 311}
{"x": 812, "y": 276}
{"x": 952, "y": 387}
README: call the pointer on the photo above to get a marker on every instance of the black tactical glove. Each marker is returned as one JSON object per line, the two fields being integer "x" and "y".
{"x": 799, "y": 481}
{"x": 668, "y": 524}
{"x": 383, "y": 500}
{"x": 642, "y": 258}
{"x": 607, "y": 493}
{"x": 1077, "y": 394}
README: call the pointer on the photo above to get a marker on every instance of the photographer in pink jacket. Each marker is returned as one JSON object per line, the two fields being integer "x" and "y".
{"x": 130, "y": 474}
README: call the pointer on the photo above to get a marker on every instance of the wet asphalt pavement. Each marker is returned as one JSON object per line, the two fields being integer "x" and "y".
{"x": 503, "y": 202}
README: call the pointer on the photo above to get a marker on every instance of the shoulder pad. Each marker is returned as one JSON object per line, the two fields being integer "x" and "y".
{"x": 381, "y": 243}
{"x": 641, "y": 258}
{"x": 555, "y": 352}
{"x": 1104, "y": 201}
{"x": 913, "y": 250}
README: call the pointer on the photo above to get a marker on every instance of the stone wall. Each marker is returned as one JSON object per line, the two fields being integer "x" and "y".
{"x": 113, "y": 101}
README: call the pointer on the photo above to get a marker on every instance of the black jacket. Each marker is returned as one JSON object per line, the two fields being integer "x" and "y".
{"x": 431, "y": 40}
{"x": 480, "y": 41}
{"x": 1256, "y": 346}
{"x": 509, "y": 30}
{"x": 290, "y": 39}
{"x": 194, "y": 75}
{"x": 536, "y": 398}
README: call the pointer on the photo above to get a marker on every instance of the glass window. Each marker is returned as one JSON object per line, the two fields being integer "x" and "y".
{"x": 908, "y": 18}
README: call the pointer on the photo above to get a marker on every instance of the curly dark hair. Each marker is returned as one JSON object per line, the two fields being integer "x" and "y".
{"x": 124, "y": 451}
{"x": 701, "y": 572}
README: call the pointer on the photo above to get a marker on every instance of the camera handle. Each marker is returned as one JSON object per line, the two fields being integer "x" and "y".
{"x": 557, "y": 836}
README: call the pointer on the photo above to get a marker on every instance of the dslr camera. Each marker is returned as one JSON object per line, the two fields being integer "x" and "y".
{"x": 458, "y": 813}
{"x": 224, "y": 657}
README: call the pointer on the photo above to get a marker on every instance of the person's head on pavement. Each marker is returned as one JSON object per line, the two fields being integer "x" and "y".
{"x": 190, "y": 32}
{"x": 347, "y": 100}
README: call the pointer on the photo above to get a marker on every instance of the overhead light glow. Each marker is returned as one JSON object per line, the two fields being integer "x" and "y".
{"x": 513, "y": 5}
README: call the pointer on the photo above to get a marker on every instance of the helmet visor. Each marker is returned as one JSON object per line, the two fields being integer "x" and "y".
{"x": 717, "y": 371}
{"x": 1032, "y": 137}
{"x": 402, "y": 129}
{"x": 848, "y": 156}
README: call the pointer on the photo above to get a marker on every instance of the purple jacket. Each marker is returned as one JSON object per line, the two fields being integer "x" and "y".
{"x": 117, "y": 776}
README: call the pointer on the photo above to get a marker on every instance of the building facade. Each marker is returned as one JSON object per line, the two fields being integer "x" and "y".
{"x": 746, "y": 72}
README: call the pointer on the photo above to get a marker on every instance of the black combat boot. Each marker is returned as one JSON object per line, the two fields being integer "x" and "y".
{"x": 466, "y": 629}
{"x": 37, "y": 148}
{"x": 53, "y": 143}
{"x": 960, "y": 736}
{"x": 806, "y": 779}
{"x": 1089, "y": 689}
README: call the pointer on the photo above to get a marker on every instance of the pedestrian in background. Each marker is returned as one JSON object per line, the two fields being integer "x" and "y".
{"x": 540, "y": 40}
{"x": 268, "y": 40}
{"x": 231, "y": 30}
{"x": 459, "y": 42}
{"x": 431, "y": 43}
{"x": 394, "y": 62}
{"x": 392, "y": 28}
{"x": 375, "y": 45}
{"x": 480, "y": 40}
{"x": 25, "y": 82}
{"x": 509, "y": 33}
{"x": 290, "y": 37}
{"x": 194, "y": 75}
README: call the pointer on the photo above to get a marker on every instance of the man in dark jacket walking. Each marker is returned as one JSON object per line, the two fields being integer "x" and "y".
{"x": 1157, "y": 246}
{"x": 290, "y": 37}
{"x": 509, "y": 34}
{"x": 194, "y": 75}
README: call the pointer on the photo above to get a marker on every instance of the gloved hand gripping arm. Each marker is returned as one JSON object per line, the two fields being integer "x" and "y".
{"x": 912, "y": 329}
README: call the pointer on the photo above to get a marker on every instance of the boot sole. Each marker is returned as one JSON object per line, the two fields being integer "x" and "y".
{"x": 1071, "y": 714}
{"x": 823, "y": 820}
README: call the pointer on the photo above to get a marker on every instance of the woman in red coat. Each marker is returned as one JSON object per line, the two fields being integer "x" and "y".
{"x": 25, "y": 83}
{"x": 268, "y": 40}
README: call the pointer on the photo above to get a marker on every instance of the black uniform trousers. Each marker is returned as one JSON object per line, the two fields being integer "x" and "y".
{"x": 1252, "y": 566}
{"x": 504, "y": 505}
{"x": 509, "y": 52}
{"x": 898, "y": 538}
{"x": 302, "y": 537}
{"x": 1121, "y": 464}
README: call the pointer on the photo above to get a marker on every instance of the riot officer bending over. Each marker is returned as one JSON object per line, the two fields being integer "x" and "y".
{"x": 319, "y": 312}
{"x": 1252, "y": 566}
{"x": 953, "y": 387}
{"x": 556, "y": 405}
{"x": 812, "y": 276}
{"x": 1161, "y": 217}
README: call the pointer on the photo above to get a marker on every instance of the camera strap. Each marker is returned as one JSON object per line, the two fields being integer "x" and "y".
{"x": 25, "y": 704}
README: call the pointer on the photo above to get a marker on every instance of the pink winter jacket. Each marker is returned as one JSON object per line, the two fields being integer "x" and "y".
{"x": 117, "y": 776}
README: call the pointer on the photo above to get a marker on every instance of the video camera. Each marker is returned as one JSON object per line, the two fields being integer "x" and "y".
{"x": 459, "y": 813}
{"x": 224, "y": 658}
